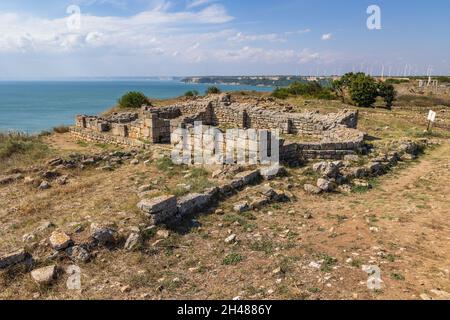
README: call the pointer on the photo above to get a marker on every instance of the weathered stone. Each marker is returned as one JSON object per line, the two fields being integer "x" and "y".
{"x": 327, "y": 169}
{"x": 192, "y": 202}
{"x": 360, "y": 172}
{"x": 351, "y": 158}
{"x": 164, "y": 234}
{"x": 134, "y": 162}
{"x": 29, "y": 237}
{"x": 44, "y": 276}
{"x": 164, "y": 205}
{"x": 79, "y": 254}
{"x": 45, "y": 225}
{"x": 44, "y": 185}
{"x": 30, "y": 181}
{"x": 133, "y": 241}
{"x": 55, "y": 162}
{"x": 103, "y": 234}
{"x": 59, "y": 240}
{"x": 259, "y": 202}
{"x": 231, "y": 239}
{"x": 375, "y": 168}
{"x": 309, "y": 188}
{"x": 326, "y": 185}
{"x": 62, "y": 180}
{"x": 248, "y": 177}
{"x": 13, "y": 258}
{"x": 408, "y": 157}
{"x": 241, "y": 207}
{"x": 272, "y": 172}
{"x": 51, "y": 174}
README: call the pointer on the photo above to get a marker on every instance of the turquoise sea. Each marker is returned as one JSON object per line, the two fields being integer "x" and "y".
{"x": 34, "y": 106}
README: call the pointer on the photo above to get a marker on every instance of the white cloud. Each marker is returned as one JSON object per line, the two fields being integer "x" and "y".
{"x": 270, "y": 37}
{"x": 327, "y": 36}
{"x": 297, "y": 32}
{"x": 165, "y": 40}
{"x": 198, "y": 3}
{"x": 21, "y": 32}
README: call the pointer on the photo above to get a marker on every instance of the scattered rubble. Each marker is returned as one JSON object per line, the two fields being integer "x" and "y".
{"x": 13, "y": 258}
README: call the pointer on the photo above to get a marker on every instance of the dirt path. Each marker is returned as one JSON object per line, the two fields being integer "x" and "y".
{"x": 409, "y": 214}
{"x": 419, "y": 198}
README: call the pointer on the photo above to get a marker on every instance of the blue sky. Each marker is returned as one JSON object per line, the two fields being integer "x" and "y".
{"x": 42, "y": 39}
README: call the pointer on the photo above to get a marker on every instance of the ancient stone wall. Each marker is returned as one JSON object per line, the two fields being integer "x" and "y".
{"x": 102, "y": 137}
{"x": 336, "y": 132}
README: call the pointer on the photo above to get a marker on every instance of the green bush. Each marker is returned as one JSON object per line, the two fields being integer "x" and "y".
{"x": 363, "y": 90}
{"x": 191, "y": 93}
{"x": 213, "y": 90}
{"x": 133, "y": 100}
{"x": 281, "y": 93}
{"x": 307, "y": 90}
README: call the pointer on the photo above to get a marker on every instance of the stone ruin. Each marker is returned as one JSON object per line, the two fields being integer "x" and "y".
{"x": 308, "y": 135}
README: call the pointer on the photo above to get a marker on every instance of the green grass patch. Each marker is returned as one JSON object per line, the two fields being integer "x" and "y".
{"x": 265, "y": 245}
{"x": 232, "y": 259}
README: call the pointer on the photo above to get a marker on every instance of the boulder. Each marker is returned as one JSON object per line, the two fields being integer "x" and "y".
{"x": 13, "y": 258}
{"x": 44, "y": 276}
{"x": 59, "y": 240}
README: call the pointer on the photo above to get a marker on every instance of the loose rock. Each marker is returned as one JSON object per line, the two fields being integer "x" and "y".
{"x": 59, "y": 240}
{"x": 44, "y": 275}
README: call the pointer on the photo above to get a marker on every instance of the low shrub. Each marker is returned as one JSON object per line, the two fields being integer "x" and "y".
{"x": 133, "y": 100}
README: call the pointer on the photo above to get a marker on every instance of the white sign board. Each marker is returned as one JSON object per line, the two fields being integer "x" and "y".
{"x": 432, "y": 116}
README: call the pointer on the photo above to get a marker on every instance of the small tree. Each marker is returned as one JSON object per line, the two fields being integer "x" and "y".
{"x": 341, "y": 86}
{"x": 133, "y": 100}
{"x": 363, "y": 90}
{"x": 387, "y": 92}
{"x": 213, "y": 90}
